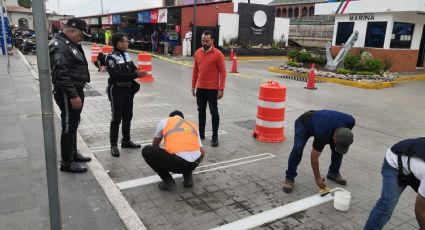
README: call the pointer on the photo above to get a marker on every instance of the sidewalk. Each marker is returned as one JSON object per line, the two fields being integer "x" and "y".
{"x": 23, "y": 190}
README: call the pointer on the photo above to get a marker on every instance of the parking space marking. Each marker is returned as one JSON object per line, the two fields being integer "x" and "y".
{"x": 153, "y": 179}
{"x": 279, "y": 212}
{"x": 143, "y": 142}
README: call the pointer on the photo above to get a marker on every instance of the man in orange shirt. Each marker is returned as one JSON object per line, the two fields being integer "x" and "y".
{"x": 208, "y": 80}
{"x": 182, "y": 150}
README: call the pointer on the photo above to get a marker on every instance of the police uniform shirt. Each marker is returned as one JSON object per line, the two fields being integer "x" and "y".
{"x": 188, "y": 156}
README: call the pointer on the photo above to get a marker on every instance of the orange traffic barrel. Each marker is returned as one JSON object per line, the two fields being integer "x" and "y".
{"x": 270, "y": 113}
{"x": 144, "y": 63}
{"x": 95, "y": 50}
{"x": 106, "y": 49}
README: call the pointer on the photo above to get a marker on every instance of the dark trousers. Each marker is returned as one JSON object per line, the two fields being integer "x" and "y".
{"x": 70, "y": 119}
{"x": 163, "y": 163}
{"x": 301, "y": 137}
{"x": 121, "y": 99}
{"x": 204, "y": 96}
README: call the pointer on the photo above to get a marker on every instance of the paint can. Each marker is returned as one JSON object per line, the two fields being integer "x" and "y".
{"x": 342, "y": 200}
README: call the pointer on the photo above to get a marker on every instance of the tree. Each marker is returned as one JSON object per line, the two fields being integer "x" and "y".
{"x": 25, "y": 3}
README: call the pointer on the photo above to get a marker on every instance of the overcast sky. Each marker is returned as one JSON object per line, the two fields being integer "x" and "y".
{"x": 91, "y": 7}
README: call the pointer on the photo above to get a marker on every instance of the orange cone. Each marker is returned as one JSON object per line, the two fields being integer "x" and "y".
{"x": 234, "y": 65}
{"x": 232, "y": 55}
{"x": 310, "y": 83}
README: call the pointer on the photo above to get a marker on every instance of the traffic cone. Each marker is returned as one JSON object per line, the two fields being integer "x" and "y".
{"x": 234, "y": 65}
{"x": 310, "y": 83}
{"x": 232, "y": 55}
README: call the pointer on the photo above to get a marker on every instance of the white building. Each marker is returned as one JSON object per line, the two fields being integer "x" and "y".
{"x": 392, "y": 30}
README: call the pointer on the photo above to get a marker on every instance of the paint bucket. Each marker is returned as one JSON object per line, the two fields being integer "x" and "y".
{"x": 342, "y": 200}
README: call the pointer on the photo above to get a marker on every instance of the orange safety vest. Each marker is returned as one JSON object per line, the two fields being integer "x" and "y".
{"x": 180, "y": 135}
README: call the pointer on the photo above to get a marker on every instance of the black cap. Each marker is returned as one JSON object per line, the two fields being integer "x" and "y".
{"x": 78, "y": 24}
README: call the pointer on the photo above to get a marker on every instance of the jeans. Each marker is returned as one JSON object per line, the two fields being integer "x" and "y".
{"x": 390, "y": 194}
{"x": 154, "y": 47}
{"x": 204, "y": 96}
{"x": 301, "y": 137}
{"x": 162, "y": 162}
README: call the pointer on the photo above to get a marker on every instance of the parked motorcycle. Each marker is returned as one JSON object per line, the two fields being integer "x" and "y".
{"x": 28, "y": 45}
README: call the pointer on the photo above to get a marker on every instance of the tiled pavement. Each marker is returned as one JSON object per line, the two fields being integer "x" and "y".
{"x": 226, "y": 195}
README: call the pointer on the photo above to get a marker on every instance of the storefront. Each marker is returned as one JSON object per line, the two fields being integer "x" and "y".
{"x": 393, "y": 31}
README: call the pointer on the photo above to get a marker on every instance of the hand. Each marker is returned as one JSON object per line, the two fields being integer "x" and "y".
{"x": 321, "y": 183}
{"x": 141, "y": 73}
{"x": 194, "y": 92}
{"x": 220, "y": 94}
{"x": 201, "y": 158}
{"x": 76, "y": 103}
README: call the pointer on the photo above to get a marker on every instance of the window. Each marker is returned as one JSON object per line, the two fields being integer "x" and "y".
{"x": 296, "y": 12}
{"x": 290, "y": 13}
{"x": 345, "y": 29}
{"x": 375, "y": 34}
{"x": 311, "y": 11}
{"x": 402, "y": 35}
{"x": 304, "y": 12}
{"x": 278, "y": 13}
{"x": 284, "y": 14}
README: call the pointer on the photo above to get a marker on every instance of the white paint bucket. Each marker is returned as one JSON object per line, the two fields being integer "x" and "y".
{"x": 342, "y": 200}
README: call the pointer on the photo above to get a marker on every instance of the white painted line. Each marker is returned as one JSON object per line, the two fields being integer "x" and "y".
{"x": 278, "y": 213}
{"x": 238, "y": 159}
{"x": 142, "y": 106}
{"x": 106, "y": 124}
{"x": 153, "y": 179}
{"x": 143, "y": 142}
{"x": 128, "y": 216}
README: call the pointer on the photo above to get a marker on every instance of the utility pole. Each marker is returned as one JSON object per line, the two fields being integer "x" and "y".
{"x": 3, "y": 25}
{"x": 101, "y": 5}
{"x": 194, "y": 29}
{"x": 40, "y": 25}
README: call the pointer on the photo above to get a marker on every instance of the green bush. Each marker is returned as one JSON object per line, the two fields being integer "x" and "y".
{"x": 364, "y": 73}
{"x": 321, "y": 60}
{"x": 352, "y": 62}
{"x": 293, "y": 54}
{"x": 342, "y": 71}
{"x": 373, "y": 65}
{"x": 294, "y": 64}
{"x": 25, "y": 3}
{"x": 304, "y": 56}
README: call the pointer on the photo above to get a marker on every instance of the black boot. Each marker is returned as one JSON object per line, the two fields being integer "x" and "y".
{"x": 167, "y": 184}
{"x": 214, "y": 141}
{"x": 75, "y": 154}
{"x": 188, "y": 180}
{"x": 72, "y": 167}
{"x": 66, "y": 147}
{"x": 126, "y": 142}
{"x": 113, "y": 137}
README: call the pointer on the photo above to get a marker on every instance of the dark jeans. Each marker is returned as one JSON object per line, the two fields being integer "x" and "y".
{"x": 70, "y": 119}
{"x": 163, "y": 163}
{"x": 121, "y": 99}
{"x": 391, "y": 191}
{"x": 204, "y": 96}
{"x": 301, "y": 137}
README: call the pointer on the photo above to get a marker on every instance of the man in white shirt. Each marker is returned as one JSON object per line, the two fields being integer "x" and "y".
{"x": 182, "y": 152}
{"x": 403, "y": 166}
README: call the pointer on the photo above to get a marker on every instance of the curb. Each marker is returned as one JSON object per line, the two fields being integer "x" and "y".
{"x": 253, "y": 58}
{"x": 363, "y": 85}
{"x": 408, "y": 78}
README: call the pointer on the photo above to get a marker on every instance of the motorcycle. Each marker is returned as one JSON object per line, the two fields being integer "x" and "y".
{"x": 28, "y": 45}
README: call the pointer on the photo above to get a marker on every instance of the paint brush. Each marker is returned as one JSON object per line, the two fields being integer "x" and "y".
{"x": 324, "y": 192}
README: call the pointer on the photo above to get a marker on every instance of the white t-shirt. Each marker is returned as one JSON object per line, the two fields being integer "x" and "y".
{"x": 188, "y": 156}
{"x": 416, "y": 165}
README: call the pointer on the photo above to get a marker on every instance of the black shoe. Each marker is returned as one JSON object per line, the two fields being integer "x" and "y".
{"x": 202, "y": 136}
{"x": 72, "y": 167}
{"x": 80, "y": 158}
{"x": 214, "y": 142}
{"x": 130, "y": 145}
{"x": 188, "y": 181}
{"x": 114, "y": 151}
{"x": 167, "y": 184}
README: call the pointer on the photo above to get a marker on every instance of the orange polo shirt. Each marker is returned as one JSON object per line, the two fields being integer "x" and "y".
{"x": 209, "y": 69}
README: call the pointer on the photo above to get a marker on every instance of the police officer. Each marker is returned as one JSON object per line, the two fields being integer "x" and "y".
{"x": 121, "y": 90}
{"x": 69, "y": 76}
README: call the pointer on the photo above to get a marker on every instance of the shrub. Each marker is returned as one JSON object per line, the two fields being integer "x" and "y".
{"x": 373, "y": 65}
{"x": 304, "y": 56}
{"x": 321, "y": 60}
{"x": 293, "y": 54}
{"x": 294, "y": 64}
{"x": 387, "y": 63}
{"x": 352, "y": 62}
{"x": 25, "y": 3}
{"x": 364, "y": 73}
{"x": 342, "y": 71}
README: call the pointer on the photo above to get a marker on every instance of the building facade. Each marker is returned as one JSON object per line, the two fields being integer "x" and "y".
{"x": 393, "y": 31}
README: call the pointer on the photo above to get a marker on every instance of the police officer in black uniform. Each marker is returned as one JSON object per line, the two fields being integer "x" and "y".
{"x": 121, "y": 89}
{"x": 70, "y": 74}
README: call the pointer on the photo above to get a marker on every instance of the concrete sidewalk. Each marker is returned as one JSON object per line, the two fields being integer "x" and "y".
{"x": 23, "y": 186}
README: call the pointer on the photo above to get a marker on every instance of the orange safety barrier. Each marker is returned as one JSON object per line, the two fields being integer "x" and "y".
{"x": 106, "y": 49}
{"x": 95, "y": 50}
{"x": 270, "y": 113}
{"x": 310, "y": 83}
{"x": 144, "y": 63}
{"x": 234, "y": 64}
